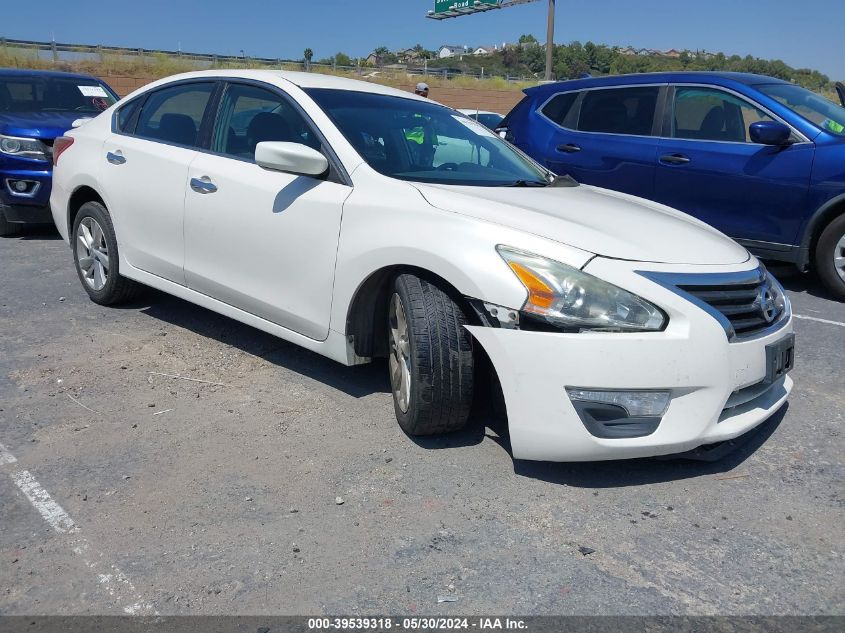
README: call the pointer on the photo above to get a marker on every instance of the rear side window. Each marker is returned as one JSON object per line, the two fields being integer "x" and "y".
{"x": 174, "y": 114}
{"x": 125, "y": 118}
{"x": 558, "y": 108}
{"x": 709, "y": 114}
{"x": 619, "y": 110}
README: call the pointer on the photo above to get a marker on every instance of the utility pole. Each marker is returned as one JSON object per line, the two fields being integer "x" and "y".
{"x": 550, "y": 41}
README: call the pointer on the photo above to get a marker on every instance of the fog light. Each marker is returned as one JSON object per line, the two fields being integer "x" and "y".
{"x": 635, "y": 403}
{"x": 20, "y": 187}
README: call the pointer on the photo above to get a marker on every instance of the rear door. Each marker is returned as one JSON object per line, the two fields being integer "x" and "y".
{"x": 708, "y": 167}
{"x": 145, "y": 174}
{"x": 606, "y": 136}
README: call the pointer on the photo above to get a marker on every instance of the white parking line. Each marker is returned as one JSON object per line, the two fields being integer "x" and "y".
{"x": 114, "y": 582}
{"x": 51, "y": 511}
{"x": 818, "y": 320}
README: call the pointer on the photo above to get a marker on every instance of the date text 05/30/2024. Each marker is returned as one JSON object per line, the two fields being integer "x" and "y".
{"x": 417, "y": 624}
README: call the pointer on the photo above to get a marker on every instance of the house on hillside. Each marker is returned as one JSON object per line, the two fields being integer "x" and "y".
{"x": 673, "y": 53}
{"x": 485, "y": 50}
{"x": 450, "y": 51}
{"x": 628, "y": 50}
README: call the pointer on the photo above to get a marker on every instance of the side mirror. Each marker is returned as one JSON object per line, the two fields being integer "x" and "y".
{"x": 294, "y": 158}
{"x": 769, "y": 133}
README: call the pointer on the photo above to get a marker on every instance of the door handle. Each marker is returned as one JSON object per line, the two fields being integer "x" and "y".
{"x": 674, "y": 159}
{"x": 203, "y": 185}
{"x": 116, "y": 158}
{"x": 569, "y": 148}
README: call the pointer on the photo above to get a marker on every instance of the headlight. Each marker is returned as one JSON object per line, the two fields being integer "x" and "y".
{"x": 567, "y": 297}
{"x": 23, "y": 147}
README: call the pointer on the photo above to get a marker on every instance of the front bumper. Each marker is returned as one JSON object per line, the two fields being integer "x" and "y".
{"x": 716, "y": 386}
{"x": 32, "y": 206}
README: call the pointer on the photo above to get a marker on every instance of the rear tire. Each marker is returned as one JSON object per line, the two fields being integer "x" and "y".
{"x": 830, "y": 257}
{"x": 431, "y": 359}
{"x": 9, "y": 229}
{"x": 96, "y": 257}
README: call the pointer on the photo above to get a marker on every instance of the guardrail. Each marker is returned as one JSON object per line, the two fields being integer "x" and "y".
{"x": 64, "y": 52}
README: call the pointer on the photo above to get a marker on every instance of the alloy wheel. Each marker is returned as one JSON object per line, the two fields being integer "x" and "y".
{"x": 92, "y": 253}
{"x": 839, "y": 257}
{"x": 400, "y": 354}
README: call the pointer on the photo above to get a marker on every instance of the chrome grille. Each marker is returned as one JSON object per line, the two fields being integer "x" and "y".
{"x": 746, "y": 304}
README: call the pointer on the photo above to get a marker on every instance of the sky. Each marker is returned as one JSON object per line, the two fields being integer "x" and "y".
{"x": 805, "y": 35}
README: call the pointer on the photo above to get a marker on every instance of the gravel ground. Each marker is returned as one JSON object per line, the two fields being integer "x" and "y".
{"x": 288, "y": 487}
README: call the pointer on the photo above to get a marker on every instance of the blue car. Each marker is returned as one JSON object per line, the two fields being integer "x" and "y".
{"x": 36, "y": 107}
{"x": 760, "y": 159}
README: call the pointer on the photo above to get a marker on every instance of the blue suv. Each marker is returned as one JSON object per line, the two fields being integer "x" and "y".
{"x": 760, "y": 159}
{"x": 36, "y": 107}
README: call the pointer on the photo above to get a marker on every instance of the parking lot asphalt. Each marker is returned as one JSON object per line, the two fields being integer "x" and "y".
{"x": 283, "y": 485}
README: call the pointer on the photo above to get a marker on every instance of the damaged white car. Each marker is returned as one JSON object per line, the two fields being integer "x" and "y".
{"x": 359, "y": 221}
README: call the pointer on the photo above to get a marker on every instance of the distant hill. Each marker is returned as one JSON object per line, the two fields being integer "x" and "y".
{"x": 574, "y": 59}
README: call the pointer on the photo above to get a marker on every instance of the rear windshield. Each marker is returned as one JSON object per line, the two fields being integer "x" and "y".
{"x": 54, "y": 94}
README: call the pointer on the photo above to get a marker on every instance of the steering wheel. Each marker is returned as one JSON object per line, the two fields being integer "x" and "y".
{"x": 448, "y": 167}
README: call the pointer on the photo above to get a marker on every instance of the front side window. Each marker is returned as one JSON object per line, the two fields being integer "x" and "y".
{"x": 249, "y": 115}
{"x": 619, "y": 110}
{"x": 53, "y": 94}
{"x": 709, "y": 114}
{"x": 422, "y": 141}
{"x": 815, "y": 109}
{"x": 174, "y": 114}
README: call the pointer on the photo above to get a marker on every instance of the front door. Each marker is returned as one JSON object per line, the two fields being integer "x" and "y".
{"x": 261, "y": 240}
{"x": 708, "y": 167}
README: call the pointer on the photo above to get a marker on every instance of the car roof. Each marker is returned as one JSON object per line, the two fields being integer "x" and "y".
{"x": 33, "y": 72}
{"x": 302, "y": 79}
{"x": 716, "y": 78}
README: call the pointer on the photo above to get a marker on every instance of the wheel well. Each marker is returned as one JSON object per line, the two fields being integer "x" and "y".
{"x": 824, "y": 218}
{"x": 77, "y": 199}
{"x": 366, "y": 321}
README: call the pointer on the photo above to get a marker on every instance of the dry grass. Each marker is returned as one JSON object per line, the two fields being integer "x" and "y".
{"x": 157, "y": 65}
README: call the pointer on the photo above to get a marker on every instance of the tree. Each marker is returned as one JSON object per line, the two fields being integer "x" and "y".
{"x": 309, "y": 54}
{"x": 384, "y": 56}
{"x": 342, "y": 59}
{"x": 527, "y": 38}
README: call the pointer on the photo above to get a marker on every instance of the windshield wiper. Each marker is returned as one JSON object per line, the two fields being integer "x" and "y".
{"x": 564, "y": 181}
{"x": 526, "y": 183}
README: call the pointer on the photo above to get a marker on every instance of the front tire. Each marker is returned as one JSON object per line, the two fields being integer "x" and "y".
{"x": 431, "y": 359}
{"x": 830, "y": 257}
{"x": 96, "y": 257}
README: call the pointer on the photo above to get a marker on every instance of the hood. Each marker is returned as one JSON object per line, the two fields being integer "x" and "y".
{"x": 599, "y": 221}
{"x": 42, "y": 125}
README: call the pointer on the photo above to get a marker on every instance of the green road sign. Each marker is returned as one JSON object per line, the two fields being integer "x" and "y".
{"x": 445, "y": 6}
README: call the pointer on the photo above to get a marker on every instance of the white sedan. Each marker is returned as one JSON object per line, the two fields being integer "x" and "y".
{"x": 359, "y": 221}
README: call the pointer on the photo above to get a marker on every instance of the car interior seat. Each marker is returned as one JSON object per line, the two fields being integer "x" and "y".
{"x": 268, "y": 126}
{"x": 177, "y": 128}
{"x": 713, "y": 124}
{"x": 607, "y": 115}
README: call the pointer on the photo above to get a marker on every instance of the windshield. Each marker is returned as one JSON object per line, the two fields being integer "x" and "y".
{"x": 818, "y": 110}
{"x": 53, "y": 94}
{"x": 426, "y": 142}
